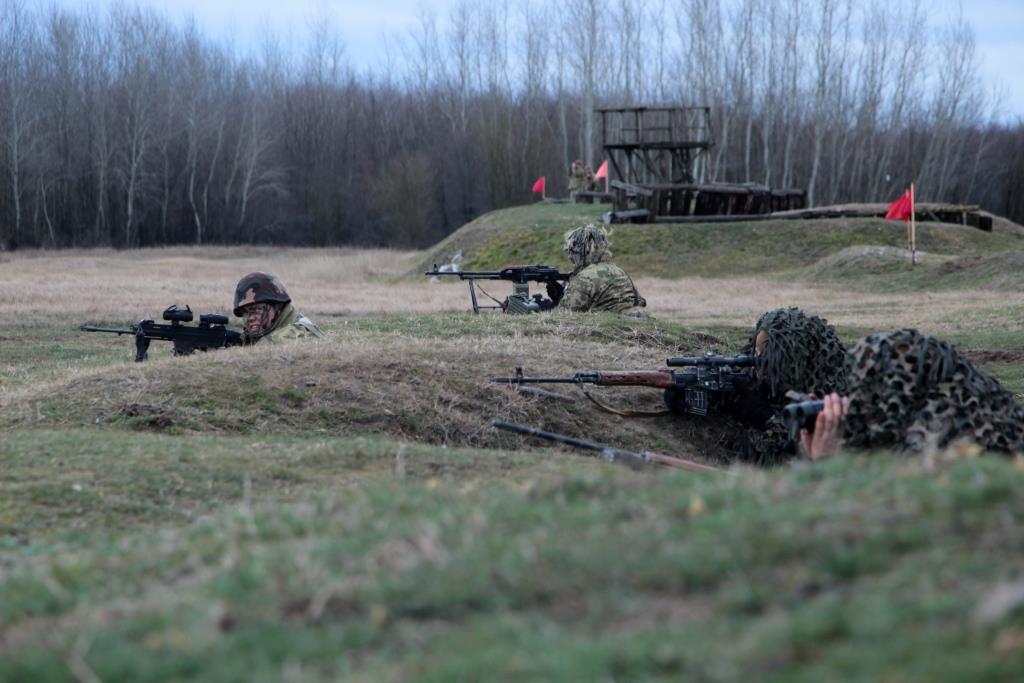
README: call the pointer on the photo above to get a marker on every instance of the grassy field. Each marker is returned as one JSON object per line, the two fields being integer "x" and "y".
{"x": 342, "y": 510}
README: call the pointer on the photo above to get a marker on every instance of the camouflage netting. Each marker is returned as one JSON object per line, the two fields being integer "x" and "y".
{"x": 590, "y": 244}
{"x": 802, "y": 353}
{"x": 913, "y": 392}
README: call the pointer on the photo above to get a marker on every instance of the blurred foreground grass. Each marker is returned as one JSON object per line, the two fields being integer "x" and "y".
{"x": 159, "y": 558}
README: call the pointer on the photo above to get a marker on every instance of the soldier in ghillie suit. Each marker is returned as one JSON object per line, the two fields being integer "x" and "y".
{"x": 577, "y": 178}
{"x": 596, "y": 284}
{"x": 264, "y": 305}
{"x": 911, "y": 393}
{"x": 794, "y": 353}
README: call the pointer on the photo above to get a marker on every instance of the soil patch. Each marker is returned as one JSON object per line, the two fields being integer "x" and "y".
{"x": 982, "y": 356}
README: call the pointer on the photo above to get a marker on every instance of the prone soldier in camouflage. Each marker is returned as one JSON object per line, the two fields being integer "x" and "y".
{"x": 577, "y": 178}
{"x": 263, "y": 303}
{"x": 912, "y": 392}
{"x": 794, "y": 352}
{"x": 596, "y": 284}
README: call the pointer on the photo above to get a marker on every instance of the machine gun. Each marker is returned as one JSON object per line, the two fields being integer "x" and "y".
{"x": 609, "y": 453}
{"x": 707, "y": 385}
{"x": 210, "y": 333}
{"x": 520, "y": 301}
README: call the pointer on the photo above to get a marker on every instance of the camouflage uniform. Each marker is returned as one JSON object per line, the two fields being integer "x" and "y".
{"x": 596, "y": 283}
{"x": 577, "y": 178}
{"x": 259, "y": 287}
{"x": 800, "y": 353}
{"x": 913, "y": 392}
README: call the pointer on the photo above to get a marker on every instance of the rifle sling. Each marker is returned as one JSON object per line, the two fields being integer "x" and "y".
{"x": 622, "y": 412}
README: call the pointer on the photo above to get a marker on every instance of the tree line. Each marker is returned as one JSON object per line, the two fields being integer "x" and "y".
{"x": 128, "y": 128}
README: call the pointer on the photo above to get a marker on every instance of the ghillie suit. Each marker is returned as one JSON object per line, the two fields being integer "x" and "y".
{"x": 798, "y": 352}
{"x": 282, "y": 321}
{"x": 912, "y": 392}
{"x": 794, "y": 352}
{"x": 597, "y": 284}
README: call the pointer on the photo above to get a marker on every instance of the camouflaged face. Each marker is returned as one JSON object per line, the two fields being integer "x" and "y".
{"x": 802, "y": 353}
{"x": 257, "y": 288}
{"x": 589, "y": 243}
{"x": 913, "y": 392}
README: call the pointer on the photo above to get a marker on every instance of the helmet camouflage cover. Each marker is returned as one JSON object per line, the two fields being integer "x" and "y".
{"x": 257, "y": 288}
{"x": 590, "y": 243}
{"x": 801, "y": 353}
{"x": 911, "y": 391}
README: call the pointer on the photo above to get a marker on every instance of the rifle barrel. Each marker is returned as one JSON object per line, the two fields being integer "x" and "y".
{"x": 92, "y": 328}
{"x": 550, "y": 436}
{"x": 661, "y": 379}
{"x": 609, "y": 452}
{"x": 536, "y": 380}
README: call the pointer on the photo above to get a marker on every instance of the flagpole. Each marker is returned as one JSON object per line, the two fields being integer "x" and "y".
{"x": 913, "y": 228}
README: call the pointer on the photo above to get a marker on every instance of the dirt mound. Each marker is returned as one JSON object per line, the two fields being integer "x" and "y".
{"x": 996, "y": 271}
{"x": 853, "y": 263}
{"x": 410, "y": 387}
{"x": 534, "y": 235}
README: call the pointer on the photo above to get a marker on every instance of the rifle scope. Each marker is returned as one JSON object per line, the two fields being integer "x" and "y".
{"x": 709, "y": 360}
{"x": 207, "y": 319}
{"x": 177, "y": 315}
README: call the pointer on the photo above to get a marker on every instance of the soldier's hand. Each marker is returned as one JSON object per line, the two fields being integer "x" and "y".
{"x": 827, "y": 428}
{"x": 555, "y": 290}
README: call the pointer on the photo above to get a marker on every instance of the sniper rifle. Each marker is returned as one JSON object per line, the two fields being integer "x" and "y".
{"x": 708, "y": 385}
{"x": 210, "y": 333}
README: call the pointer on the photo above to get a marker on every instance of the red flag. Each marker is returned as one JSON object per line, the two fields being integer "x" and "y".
{"x": 602, "y": 172}
{"x": 901, "y": 209}
{"x": 539, "y": 185}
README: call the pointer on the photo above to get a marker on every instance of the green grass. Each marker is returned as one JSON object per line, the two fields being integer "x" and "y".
{"x": 533, "y": 234}
{"x": 539, "y": 567}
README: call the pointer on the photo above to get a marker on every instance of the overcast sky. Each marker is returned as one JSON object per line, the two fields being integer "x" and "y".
{"x": 366, "y": 24}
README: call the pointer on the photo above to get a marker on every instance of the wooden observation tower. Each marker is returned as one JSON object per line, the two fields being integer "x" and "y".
{"x": 657, "y": 158}
{"x": 656, "y": 145}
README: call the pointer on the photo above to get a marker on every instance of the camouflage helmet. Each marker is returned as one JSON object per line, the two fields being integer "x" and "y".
{"x": 797, "y": 352}
{"x": 589, "y": 243}
{"x": 259, "y": 287}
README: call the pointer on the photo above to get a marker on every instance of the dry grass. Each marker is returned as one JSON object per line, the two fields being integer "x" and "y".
{"x": 739, "y": 301}
{"x": 132, "y": 285}
{"x": 344, "y": 282}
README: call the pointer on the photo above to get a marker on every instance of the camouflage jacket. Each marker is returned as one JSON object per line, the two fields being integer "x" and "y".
{"x": 290, "y": 324}
{"x": 601, "y": 287}
{"x": 577, "y": 181}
